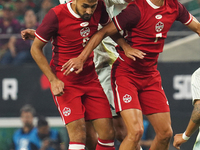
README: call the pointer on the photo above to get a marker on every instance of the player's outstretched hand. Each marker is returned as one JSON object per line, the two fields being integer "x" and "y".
{"x": 28, "y": 34}
{"x": 57, "y": 87}
{"x": 132, "y": 53}
{"x": 178, "y": 140}
{"x": 73, "y": 65}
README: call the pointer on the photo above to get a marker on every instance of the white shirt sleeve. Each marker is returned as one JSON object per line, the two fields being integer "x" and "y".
{"x": 117, "y": 1}
{"x": 195, "y": 85}
{"x": 63, "y": 1}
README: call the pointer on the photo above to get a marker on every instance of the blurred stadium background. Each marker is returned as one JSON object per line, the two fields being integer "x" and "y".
{"x": 25, "y": 84}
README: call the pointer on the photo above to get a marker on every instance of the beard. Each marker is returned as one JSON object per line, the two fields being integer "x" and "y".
{"x": 28, "y": 125}
{"x": 85, "y": 17}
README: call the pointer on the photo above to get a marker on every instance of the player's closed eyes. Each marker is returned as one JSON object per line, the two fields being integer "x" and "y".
{"x": 88, "y": 6}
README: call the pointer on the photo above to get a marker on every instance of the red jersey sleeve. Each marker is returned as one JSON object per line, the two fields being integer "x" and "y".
{"x": 128, "y": 18}
{"x": 105, "y": 19}
{"x": 184, "y": 16}
{"x": 48, "y": 27}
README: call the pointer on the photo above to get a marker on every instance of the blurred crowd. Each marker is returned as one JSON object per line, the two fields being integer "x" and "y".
{"x": 16, "y": 15}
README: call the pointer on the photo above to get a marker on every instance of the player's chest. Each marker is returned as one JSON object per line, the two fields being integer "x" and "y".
{"x": 157, "y": 20}
{"x": 77, "y": 29}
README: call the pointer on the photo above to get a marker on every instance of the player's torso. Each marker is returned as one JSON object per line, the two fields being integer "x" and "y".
{"x": 153, "y": 26}
{"x": 73, "y": 32}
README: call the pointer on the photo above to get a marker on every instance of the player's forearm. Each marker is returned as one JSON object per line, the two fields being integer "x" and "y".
{"x": 96, "y": 39}
{"x": 120, "y": 41}
{"x": 42, "y": 62}
{"x": 195, "y": 26}
{"x": 194, "y": 120}
{"x": 91, "y": 45}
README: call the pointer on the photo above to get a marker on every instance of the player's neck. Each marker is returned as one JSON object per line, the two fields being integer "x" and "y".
{"x": 27, "y": 129}
{"x": 158, "y": 2}
{"x": 73, "y": 7}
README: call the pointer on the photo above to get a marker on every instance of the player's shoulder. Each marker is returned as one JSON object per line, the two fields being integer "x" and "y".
{"x": 100, "y": 1}
{"x": 59, "y": 8}
{"x": 100, "y": 4}
{"x": 18, "y": 131}
{"x": 172, "y": 2}
{"x": 196, "y": 72}
{"x": 136, "y": 3}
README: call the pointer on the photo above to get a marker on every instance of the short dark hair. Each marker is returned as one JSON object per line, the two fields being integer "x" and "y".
{"x": 28, "y": 108}
{"x": 42, "y": 122}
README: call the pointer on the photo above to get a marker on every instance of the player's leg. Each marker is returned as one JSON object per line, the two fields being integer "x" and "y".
{"x": 126, "y": 99}
{"x": 105, "y": 131}
{"x": 104, "y": 74}
{"x": 77, "y": 134}
{"x": 161, "y": 123}
{"x": 120, "y": 131}
{"x": 72, "y": 112}
{"x": 91, "y": 136}
{"x": 155, "y": 106}
{"x": 120, "y": 128}
{"x": 97, "y": 109}
{"x": 133, "y": 120}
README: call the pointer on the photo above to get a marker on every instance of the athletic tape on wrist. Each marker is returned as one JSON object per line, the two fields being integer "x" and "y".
{"x": 185, "y": 137}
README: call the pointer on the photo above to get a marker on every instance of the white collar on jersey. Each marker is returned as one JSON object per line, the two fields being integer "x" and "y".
{"x": 71, "y": 11}
{"x": 152, "y": 5}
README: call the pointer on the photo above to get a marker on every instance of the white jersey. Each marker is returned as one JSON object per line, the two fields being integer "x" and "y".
{"x": 105, "y": 54}
{"x": 63, "y": 1}
{"x": 195, "y": 88}
{"x": 195, "y": 85}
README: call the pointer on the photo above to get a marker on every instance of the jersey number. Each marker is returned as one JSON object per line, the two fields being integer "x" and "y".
{"x": 159, "y": 35}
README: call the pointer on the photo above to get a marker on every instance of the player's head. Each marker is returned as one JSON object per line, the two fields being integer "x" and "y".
{"x": 43, "y": 128}
{"x": 27, "y": 114}
{"x": 84, "y": 8}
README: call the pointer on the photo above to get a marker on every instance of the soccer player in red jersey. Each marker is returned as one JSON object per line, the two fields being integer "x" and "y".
{"x": 136, "y": 82}
{"x": 79, "y": 97}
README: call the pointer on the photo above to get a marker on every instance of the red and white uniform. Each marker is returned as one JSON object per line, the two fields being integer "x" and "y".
{"x": 83, "y": 97}
{"x": 137, "y": 84}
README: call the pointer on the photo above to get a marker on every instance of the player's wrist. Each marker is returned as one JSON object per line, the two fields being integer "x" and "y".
{"x": 185, "y": 137}
{"x": 82, "y": 58}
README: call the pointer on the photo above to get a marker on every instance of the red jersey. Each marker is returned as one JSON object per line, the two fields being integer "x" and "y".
{"x": 69, "y": 33}
{"x": 147, "y": 25}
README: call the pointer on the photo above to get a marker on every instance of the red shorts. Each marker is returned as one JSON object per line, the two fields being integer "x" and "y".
{"x": 138, "y": 90}
{"x": 83, "y": 100}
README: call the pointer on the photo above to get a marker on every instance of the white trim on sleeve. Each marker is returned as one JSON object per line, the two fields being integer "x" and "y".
{"x": 190, "y": 19}
{"x": 39, "y": 37}
{"x": 117, "y": 23}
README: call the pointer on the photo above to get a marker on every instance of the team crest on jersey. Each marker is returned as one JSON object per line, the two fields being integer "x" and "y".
{"x": 66, "y": 111}
{"x": 84, "y": 24}
{"x": 159, "y": 26}
{"x": 158, "y": 16}
{"x": 85, "y": 31}
{"x": 127, "y": 98}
